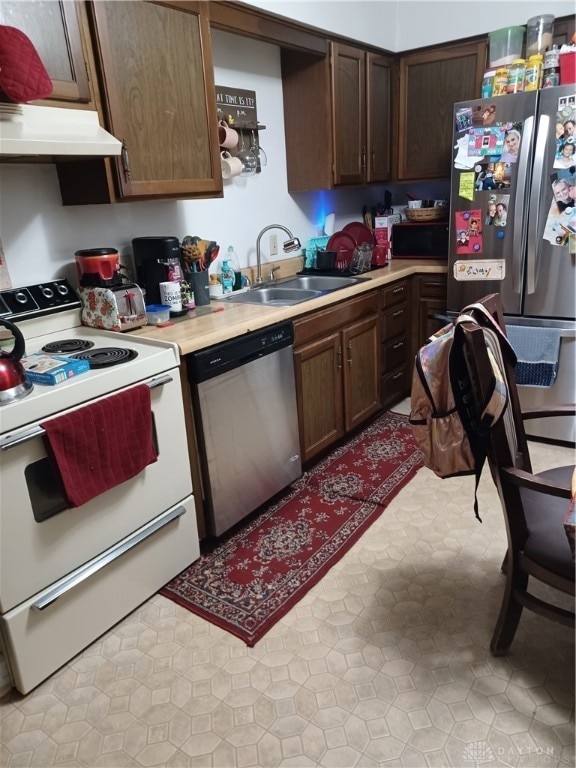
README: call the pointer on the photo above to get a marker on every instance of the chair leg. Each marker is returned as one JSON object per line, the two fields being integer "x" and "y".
{"x": 510, "y": 611}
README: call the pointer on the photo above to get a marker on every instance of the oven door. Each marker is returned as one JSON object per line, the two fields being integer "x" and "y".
{"x": 42, "y": 539}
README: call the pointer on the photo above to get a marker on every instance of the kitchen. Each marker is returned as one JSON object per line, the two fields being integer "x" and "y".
{"x": 54, "y": 232}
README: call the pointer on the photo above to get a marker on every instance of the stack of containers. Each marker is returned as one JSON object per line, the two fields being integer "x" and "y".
{"x": 544, "y": 66}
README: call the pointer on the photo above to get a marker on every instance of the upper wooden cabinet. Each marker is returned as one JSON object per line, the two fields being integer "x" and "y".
{"x": 54, "y": 29}
{"x": 430, "y": 83}
{"x": 361, "y": 115}
{"x": 337, "y": 118}
{"x": 156, "y": 89}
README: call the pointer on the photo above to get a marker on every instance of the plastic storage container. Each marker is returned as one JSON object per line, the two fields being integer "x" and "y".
{"x": 156, "y": 314}
{"x": 516, "y": 76}
{"x": 500, "y": 84}
{"x": 505, "y": 45}
{"x": 533, "y": 76}
{"x": 567, "y": 68}
{"x": 539, "y": 33}
{"x": 487, "y": 83}
{"x": 551, "y": 71}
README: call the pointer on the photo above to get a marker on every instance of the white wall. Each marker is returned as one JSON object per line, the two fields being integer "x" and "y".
{"x": 401, "y": 25}
{"x": 40, "y": 235}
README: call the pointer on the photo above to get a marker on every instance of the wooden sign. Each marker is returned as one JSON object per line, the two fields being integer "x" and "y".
{"x": 236, "y": 105}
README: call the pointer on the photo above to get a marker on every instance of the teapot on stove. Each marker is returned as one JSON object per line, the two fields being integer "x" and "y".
{"x": 13, "y": 381}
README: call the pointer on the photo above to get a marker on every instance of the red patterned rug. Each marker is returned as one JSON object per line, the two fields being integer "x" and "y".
{"x": 252, "y": 579}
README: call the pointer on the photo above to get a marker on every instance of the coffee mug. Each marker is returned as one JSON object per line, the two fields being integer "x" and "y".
{"x": 231, "y": 166}
{"x": 414, "y": 203}
{"x": 171, "y": 294}
{"x": 227, "y": 136}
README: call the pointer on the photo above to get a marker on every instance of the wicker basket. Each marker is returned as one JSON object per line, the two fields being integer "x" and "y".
{"x": 426, "y": 214}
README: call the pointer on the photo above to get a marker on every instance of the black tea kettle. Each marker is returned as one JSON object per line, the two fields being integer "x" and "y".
{"x": 13, "y": 382}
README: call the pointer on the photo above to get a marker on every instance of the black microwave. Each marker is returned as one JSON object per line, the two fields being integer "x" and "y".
{"x": 420, "y": 240}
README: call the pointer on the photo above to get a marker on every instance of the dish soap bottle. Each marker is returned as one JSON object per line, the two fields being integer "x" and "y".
{"x": 227, "y": 277}
{"x": 234, "y": 264}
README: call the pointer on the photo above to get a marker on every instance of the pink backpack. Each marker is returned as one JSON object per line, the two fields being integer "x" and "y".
{"x": 449, "y": 429}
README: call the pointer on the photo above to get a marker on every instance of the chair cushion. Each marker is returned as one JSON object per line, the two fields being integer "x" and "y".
{"x": 547, "y": 543}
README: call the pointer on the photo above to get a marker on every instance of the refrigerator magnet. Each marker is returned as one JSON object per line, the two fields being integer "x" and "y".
{"x": 485, "y": 141}
{"x": 463, "y": 119}
{"x": 486, "y": 269}
{"x": 468, "y": 231}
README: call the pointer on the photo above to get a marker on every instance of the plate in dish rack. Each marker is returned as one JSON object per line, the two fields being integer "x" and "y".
{"x": 344, "y": 244}
{"x": 359, "y": 232}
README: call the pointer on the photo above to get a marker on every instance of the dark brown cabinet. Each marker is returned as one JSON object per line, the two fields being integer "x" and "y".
{"x": 337, "y": 368}
{"x": 396, "y": 321}
{"x": 55, "y": 30}
{"x": 345, "y": 136}
{"x": 430, "y": 83}
{"x": 157, "y": 90}
{"x": 430, "y": 296}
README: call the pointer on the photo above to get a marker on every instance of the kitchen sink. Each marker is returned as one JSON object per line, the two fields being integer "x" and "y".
{"x": 324, "y": 283}
{"x": 275, "y": 297}
{"x": 293, "y": 290}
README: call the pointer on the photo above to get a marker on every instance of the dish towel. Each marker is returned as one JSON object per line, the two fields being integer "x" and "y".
{"x": 537, "y": 350}
{"x": 103, "y": 444}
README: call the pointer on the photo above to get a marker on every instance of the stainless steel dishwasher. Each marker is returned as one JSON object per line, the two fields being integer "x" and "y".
{"x": 244, "y": 399}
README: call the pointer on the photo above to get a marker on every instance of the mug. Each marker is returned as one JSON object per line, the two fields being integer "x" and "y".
{"x": 227, "y": 136}
{"x": 414, "y": 203}
{"x": 171, "y": 295}
{"x": 231, "y": 166}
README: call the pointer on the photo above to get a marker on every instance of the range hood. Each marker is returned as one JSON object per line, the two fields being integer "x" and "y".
{"x": 27, "y": 130}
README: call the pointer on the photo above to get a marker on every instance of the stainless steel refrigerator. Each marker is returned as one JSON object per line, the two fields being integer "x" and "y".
{"x": 511, "y": 219}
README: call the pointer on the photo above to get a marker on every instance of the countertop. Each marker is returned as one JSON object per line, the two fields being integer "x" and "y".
{"x": 192, "y": 332}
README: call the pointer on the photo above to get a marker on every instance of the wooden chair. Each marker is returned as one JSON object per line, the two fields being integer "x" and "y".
{"x": 534, "y": 505}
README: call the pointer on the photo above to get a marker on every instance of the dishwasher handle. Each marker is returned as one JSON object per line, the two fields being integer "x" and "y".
{"x": 221, "y": 358}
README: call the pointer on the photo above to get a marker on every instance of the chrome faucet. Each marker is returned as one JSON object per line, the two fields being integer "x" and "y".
{"x": 293, "y": 244}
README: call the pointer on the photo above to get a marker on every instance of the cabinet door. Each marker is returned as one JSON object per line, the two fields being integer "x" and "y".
{"x": 430, "y": 83}
{"x": 54, "y": 29}
{"x": 361, "y": 352}
{"x": 348, "y": 114}
{"x": 318, "y": 370}
{"x": 378, "y": 121}
{"x": 158, "y": 88}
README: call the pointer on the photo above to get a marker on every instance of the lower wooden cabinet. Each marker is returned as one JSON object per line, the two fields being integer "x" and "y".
{"x": 396, "y": 321}
{"x": 430, "y": 294}
{"x": 337, "y": 366}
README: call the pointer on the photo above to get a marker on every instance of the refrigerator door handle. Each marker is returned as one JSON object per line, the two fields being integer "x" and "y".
{"x": 518, "y": 233}
{"x": 535, "y": 191}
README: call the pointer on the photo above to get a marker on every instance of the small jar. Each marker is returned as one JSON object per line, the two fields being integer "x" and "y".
{"x": 551, "y": 70}
{"x": 500, "y": 84}
{"x": 533, "y": 76}
{"x": 487, "y": 84}
{"x": 516, "y": 76}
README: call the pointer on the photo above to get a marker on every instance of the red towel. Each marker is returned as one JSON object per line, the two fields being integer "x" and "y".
{"x": 103, "y": 444}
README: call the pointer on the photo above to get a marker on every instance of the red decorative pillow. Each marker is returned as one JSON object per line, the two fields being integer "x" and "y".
{"x": 23, "y": 77}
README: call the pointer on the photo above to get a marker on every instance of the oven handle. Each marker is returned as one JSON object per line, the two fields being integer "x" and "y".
{"x": 96, "y": 564}
{"x": 24, "y": 435}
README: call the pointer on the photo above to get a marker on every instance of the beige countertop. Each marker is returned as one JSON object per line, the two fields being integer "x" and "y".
{"x": 194, "y": 332}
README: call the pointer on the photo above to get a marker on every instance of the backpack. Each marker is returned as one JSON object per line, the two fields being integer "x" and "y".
{"x": 449, "y": 428}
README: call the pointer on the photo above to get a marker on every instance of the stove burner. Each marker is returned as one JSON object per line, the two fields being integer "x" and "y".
{"x": 66, "y": 346}
{"x": 102, "y": 357}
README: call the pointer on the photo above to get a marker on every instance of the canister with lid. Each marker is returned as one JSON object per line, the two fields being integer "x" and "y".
{"x": 500, "y": 84}
{"x": 516, "y": 76}
{"x": 533, "y": 76}
{"x": 551, "y": 71}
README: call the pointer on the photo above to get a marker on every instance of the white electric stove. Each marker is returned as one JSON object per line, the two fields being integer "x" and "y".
{"x": 86, "y": 567}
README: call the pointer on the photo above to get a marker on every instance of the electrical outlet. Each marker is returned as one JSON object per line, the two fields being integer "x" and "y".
{"x": 273, "y": 245}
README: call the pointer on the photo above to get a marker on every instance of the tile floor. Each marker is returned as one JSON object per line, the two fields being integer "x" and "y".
{"x": 383, "y": 663}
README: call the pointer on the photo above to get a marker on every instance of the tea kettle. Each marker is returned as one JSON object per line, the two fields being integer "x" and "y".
{"x": 13, "y": 382}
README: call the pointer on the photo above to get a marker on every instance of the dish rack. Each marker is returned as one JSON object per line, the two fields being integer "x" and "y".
{"x": 426, "y": 214}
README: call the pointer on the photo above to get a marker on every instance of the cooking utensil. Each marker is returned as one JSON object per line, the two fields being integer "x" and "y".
{"x": 13, "y": 381}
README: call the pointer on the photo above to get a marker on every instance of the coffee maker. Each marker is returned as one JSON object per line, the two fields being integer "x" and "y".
{"x": 157, "y": 260}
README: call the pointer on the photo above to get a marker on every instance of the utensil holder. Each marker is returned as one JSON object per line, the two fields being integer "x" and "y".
{"x": 200, "y": 288}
